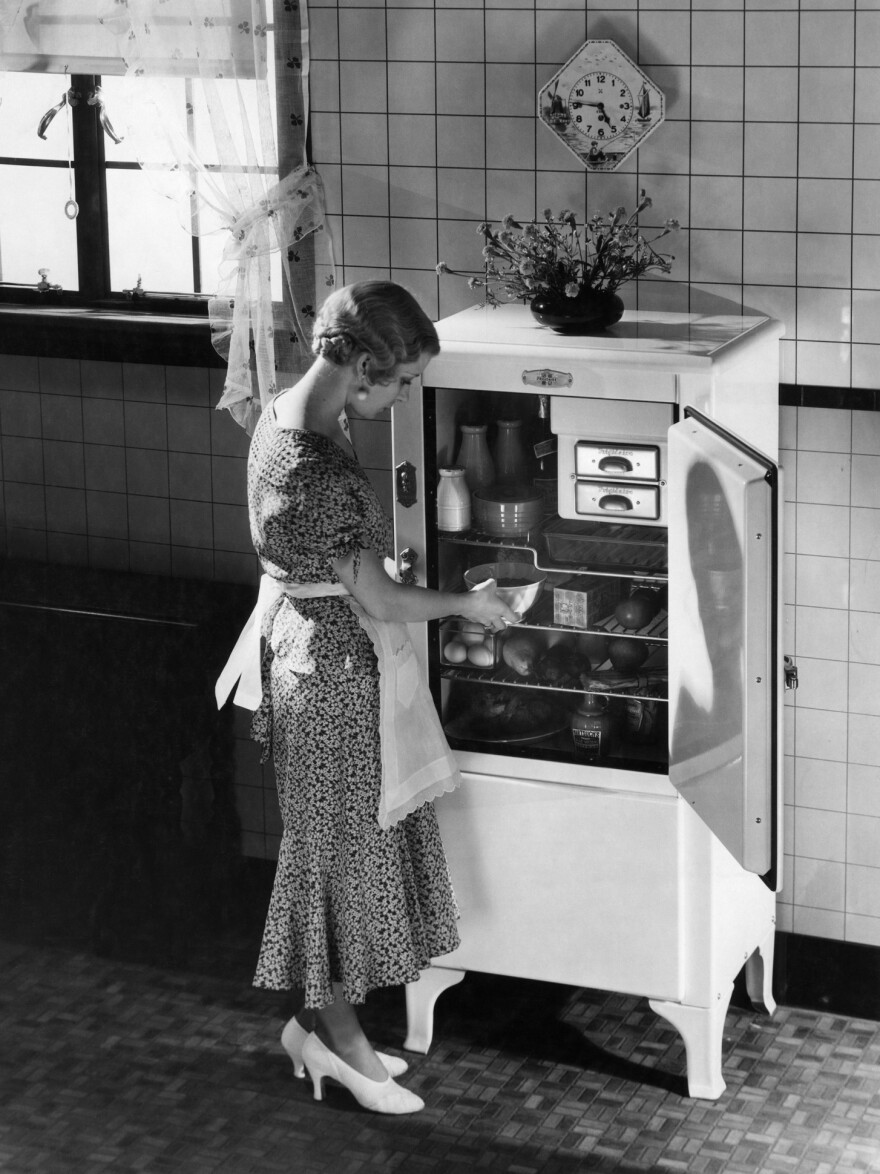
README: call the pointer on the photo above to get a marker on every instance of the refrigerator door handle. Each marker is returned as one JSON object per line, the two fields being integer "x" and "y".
{"x": 406, "y": 560}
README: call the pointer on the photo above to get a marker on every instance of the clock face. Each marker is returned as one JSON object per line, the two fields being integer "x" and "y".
{"x": 601, "y": 105}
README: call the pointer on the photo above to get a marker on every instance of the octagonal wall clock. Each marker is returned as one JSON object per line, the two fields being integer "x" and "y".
{"x": 601, "y": 105}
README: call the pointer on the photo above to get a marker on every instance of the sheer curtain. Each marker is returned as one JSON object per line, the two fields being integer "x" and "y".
{"x": 241, "y": 180}
{"x": 236, "y": 166}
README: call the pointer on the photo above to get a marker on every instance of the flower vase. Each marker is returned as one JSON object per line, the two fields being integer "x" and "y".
{"x": 590, "y": 312}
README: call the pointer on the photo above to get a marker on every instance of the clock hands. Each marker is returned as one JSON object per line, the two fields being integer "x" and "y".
{"x": 600, "y": 110}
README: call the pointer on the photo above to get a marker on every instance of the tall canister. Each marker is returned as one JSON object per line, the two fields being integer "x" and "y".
{"x": 453, "y": 500}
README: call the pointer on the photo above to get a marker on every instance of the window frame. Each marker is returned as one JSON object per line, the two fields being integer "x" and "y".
{"x": 90, "y": 166}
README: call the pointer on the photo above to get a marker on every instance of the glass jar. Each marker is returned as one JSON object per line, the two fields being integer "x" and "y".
{"x": 453, "y": 500}
{"x": 593, "y": 728}
{"x": 511, "y": 466}
{"x": 474, "y": 457}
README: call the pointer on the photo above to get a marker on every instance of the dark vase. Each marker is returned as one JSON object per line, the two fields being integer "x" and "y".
{"x": 591, "y": 312}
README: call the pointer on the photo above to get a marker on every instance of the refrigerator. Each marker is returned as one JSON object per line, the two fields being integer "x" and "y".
{"x": 619, "y": 823}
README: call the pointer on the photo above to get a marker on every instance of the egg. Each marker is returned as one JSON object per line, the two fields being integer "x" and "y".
{"x": 481, "y": 655}
{"x": 455, "y": 652}
{"x": 471, "y": 632}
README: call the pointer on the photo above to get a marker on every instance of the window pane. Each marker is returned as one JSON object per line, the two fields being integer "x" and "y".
{"x": 221, "y": 107}
{"x": 162, "y": 100}
{"x": 26, "y": 98}
{"x": 146, "y": 237}
{"x": 34, "y": 231}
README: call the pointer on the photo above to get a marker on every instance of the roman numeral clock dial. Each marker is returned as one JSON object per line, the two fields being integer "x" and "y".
{"x": 601, "y": 105}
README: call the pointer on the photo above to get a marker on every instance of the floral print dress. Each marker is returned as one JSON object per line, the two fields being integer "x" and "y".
{"x": 351, "y": 903}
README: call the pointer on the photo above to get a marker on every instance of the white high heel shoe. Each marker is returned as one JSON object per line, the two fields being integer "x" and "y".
{"x": 293, "y": 1037}
{"x": 382, "y": 1096}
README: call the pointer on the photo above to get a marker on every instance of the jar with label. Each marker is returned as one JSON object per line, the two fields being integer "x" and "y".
{"x": 593, "y": 728}
{"x": 453, "y": 500}
{"x": 474, "y": 457}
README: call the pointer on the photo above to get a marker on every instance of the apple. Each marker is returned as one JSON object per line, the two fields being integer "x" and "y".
{"x": 627, "y": 654}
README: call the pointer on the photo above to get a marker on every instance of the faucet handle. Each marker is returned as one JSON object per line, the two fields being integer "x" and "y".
{"x": 44, "y": 284}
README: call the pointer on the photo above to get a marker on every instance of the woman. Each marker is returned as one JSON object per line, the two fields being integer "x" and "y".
{"x": 355, "y": 906}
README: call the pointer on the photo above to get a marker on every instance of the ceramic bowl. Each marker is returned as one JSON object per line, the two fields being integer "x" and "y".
{"x": 518, "y": 584}
{"x": 507, "y": 510}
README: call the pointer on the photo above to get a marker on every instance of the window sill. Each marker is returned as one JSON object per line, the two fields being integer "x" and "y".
{"x": 114, "y": 335}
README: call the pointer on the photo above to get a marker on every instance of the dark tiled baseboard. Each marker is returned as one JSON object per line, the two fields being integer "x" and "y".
{"x": 819, "y": 974}
{"x": 859, "y": 399}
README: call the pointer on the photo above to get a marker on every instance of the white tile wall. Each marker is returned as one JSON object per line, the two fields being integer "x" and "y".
{"x": 770, "y": 155}
{"x": 423, "y": 126}
{"x": 833, "y": 626}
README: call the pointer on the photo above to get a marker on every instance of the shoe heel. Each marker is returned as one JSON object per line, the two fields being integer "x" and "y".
{"x": 317, "y": 1085}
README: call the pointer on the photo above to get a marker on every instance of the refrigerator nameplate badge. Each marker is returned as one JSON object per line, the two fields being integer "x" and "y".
{"x": 544, "y": 377}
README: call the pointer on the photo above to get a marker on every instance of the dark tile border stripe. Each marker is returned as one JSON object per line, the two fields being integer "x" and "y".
{"x": 798, "y": 395}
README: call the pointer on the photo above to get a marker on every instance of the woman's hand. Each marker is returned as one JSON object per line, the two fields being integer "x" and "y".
{"x": 483, "y": 606}
{"x": 384, "y": 599}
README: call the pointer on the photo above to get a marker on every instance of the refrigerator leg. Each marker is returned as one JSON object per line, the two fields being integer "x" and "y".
{"x": 759, "y": 975}
{"x": 420, "y": 999}
{"x": 702, "y": 1029}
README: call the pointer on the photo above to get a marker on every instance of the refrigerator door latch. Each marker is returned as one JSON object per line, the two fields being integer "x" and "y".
{"x": 406, "y": 560}
{"x": 790, "y": 672}
{"x": 405, "y": 475}
{"x": 545, "y": 377}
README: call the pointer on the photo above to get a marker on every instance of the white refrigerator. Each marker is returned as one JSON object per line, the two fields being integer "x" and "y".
{"x": 643, "y": 859}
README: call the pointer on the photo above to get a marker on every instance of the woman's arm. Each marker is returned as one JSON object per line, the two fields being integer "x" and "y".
{"x": 385, "y": 599}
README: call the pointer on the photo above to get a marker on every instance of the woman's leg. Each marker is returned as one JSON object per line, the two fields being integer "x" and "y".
{"x": 338, "y": 1026}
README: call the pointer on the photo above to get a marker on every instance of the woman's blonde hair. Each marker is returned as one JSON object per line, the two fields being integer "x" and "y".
{"x": 378, "y": 317}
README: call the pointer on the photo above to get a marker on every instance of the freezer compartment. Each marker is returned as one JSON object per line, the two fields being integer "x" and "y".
{"x": 616, "y": 444}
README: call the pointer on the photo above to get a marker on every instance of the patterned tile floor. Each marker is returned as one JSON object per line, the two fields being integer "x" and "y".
{"x": 110, "y": 1065}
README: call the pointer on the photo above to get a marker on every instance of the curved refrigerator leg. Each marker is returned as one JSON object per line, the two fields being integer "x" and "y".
{"x": 702, "y": 1029}
{"x": 759, "y": 975}
{"x": 420, "y": 999}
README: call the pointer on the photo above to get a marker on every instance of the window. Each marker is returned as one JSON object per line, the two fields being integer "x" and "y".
{"x": 132, "y": 224}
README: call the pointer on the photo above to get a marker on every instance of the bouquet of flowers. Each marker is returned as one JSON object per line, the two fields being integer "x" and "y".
{"x": 557, "y": 257}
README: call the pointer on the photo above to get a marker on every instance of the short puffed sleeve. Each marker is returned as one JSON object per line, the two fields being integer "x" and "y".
{"x": 322, "y": 509}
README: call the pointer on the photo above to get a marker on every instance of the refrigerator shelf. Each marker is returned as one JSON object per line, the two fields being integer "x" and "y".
{"x": 570, "y": 548}
{"x": 650, "y": 683}
{"x": 540, "y": 617}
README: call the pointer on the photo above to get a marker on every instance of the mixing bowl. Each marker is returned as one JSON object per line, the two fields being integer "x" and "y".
{"x": 518, "y": 584}
{"x": 507, "y": 510}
